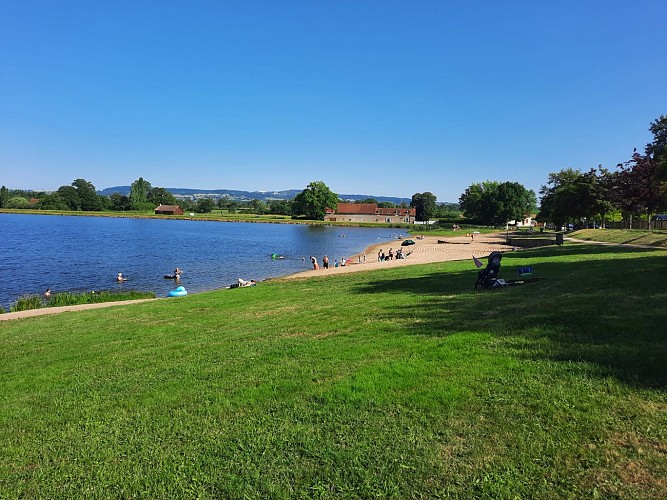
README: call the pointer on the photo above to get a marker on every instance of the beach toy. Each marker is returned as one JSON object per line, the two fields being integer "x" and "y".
{"x": 178, "y": 292}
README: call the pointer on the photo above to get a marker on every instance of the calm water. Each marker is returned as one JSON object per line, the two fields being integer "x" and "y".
{"x": 86, "y": 253}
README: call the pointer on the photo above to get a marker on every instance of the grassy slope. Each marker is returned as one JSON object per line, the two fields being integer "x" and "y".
{"x": 398, "y": 383}
{"x": 623, "y": 236}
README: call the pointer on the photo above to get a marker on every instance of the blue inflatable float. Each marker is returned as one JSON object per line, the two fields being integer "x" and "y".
{"x": 178, "y": 292}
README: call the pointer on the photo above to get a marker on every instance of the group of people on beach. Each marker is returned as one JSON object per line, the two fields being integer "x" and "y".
{"x": 390, "y": 255}
{"x": 325, "y": 262}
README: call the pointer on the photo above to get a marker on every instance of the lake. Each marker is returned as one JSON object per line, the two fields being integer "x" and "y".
{"x": 77, "y": 253}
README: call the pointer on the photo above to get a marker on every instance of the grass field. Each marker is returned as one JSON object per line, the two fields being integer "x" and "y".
{"x": 399, "y": 383}
{"x": 657, "y": 238}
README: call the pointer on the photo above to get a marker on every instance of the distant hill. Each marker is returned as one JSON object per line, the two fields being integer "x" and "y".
{"x": 249, "y": 195}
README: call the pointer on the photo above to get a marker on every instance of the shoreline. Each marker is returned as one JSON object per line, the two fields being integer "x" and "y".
{"x": 426, "y": 250}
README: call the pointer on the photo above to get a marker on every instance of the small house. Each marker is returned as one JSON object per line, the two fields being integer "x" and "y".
{"x": 169, "y": 210}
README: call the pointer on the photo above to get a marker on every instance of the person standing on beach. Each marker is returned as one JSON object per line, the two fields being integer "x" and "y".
{"x": 325, "y": 262}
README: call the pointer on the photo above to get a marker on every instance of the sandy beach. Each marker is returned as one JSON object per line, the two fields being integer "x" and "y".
{"x": 427, "y": 249}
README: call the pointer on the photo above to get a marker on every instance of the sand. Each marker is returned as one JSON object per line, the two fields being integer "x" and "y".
{"x": 426, "y": 250}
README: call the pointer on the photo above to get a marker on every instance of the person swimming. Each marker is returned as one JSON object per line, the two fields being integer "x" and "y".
{"x": 120, "y": 278}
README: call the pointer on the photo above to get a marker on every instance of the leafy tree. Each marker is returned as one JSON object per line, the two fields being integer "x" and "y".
{"x": 424, "y": 204}
{"x": 314, "y": 200}
{"x": 475, "y": 202}
{"x": 386, "y": 204}
{"x": 639, "y": 186}
{"x": 205, "y": 205}
{"x": 558, "y": 200}
{"x": 139, "y": 191}
{"x": 258, "y": 206}
{"x": 160, "y": 196}
{"x": 280, "y": 207}
{"x": 119, "y": 202}
{"x": 230, "y": 205}
{"x": 657, "y": 149}
{"x": 642, "y": 181}
{"x": 70, "y": 196}
{"x": 17, "y": 202}
{"x": 513, "y": 202}
{"x": 496, "y": 203}
{"x": 88, "y": 198}
{"x": 4, "y": 196}
{"x": 52, "y": 201}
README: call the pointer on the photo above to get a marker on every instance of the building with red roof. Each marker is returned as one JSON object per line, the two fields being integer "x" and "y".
{"x": 370, "y": 212}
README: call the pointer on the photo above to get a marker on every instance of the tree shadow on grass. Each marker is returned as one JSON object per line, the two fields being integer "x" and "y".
{"x": 606, "y": 311}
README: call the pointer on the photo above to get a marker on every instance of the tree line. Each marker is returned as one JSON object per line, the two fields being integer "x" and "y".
{"x": 638, "y": 187}
{"x": 311, "y": 203}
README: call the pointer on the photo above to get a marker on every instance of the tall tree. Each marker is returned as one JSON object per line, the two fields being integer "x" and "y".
{"x": 88, "y": 199}
{"x": 640, "y": 187}
{"x": 280, "y": 207}
{"x": 139, "y": 191}
{"x": 119, "y": 202}
{"x": 205, "y": 205}
{"x": 475, "y": 202}
{"x": 160, "y": 196}
{"x": 513, "y": 202}
{"x": 4, "y": 196}
{"x": 314, "y": 200}
{"x": 70, "y": 196}
{"x": 496, "y": 203}
{"x": 657, "y": 149}
{"x": 424, "y": 205}
{"x": 52, "y": 201}
{"x": 559, "y": 198}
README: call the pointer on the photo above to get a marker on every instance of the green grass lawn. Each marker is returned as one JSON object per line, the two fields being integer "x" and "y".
{"x": 399, "y": 383}
{"x": 657, "y": 238}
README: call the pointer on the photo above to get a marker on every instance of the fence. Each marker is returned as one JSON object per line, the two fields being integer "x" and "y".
{"x": 637, "y": 224}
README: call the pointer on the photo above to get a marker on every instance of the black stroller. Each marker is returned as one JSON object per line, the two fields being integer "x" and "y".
{"x": 488, "y": 277}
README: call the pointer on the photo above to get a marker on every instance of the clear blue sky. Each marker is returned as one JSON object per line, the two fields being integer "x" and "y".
{"x": 377, "y": 97}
